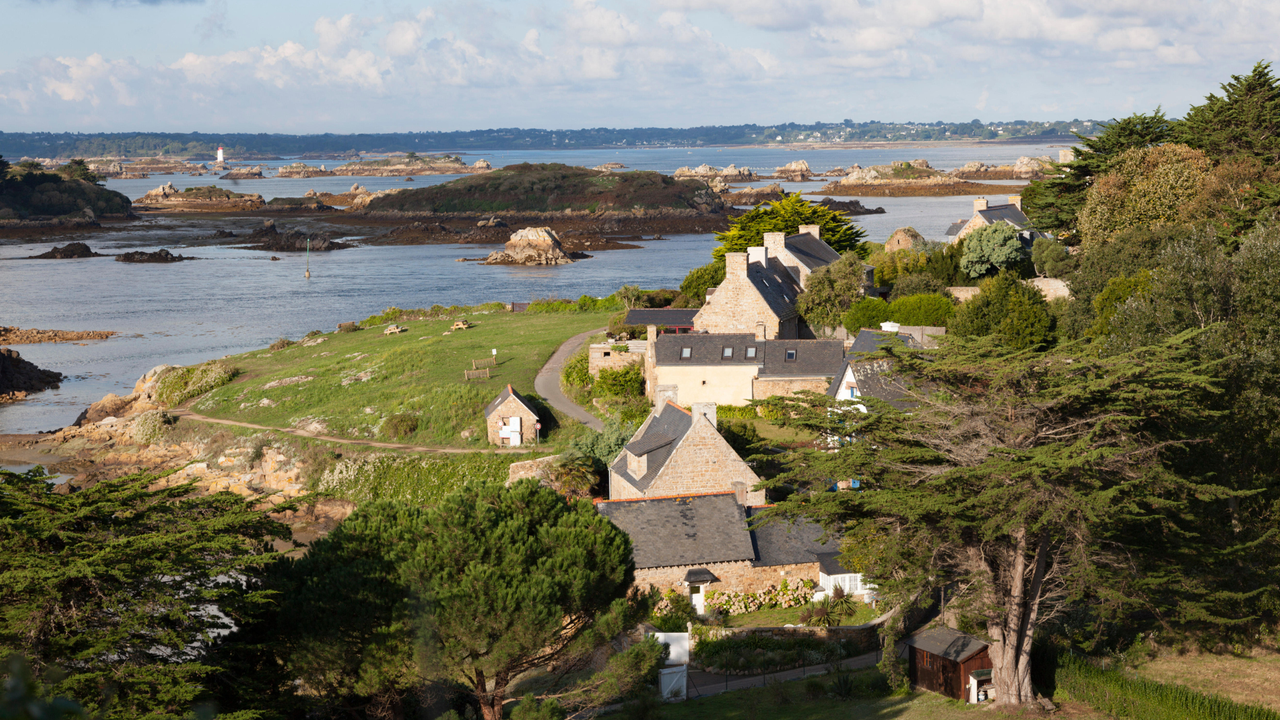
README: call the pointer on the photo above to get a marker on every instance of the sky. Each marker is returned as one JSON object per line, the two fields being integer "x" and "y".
{"x": 381, "y": 66}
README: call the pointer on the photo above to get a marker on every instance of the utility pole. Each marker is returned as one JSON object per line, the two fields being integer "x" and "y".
{"x": 308, "y": 257}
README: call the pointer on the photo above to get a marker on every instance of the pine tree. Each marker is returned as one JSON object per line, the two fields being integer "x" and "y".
{"x": 786, "y": 216}
{"x": 1242, "y": 123}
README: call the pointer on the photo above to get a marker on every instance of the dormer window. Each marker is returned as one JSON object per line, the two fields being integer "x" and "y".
{"x": 686, "y": 353}
{"x": 791, "y": 355}
{"x": 751, "y": 353}
{"x": 727, "y": 353}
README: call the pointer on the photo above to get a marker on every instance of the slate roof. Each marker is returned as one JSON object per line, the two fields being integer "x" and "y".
{"x": 692, "y": 530}
{"x": 657, "y": 438}
{"x": 829, "y": 564}
{"x": 508, "y": 392}
{"x": 667, "y": 317}
{"x": 785, "y": 543}
{"x": 869, "y": 341}
{"x": 1005, "y": 213}
{"x": 811, "y": 251}
{"x": 777, "y": 287}
{"x": 707, "y": 349}
{"x": 956, "y": 227}
{"x": 813, "y": 358}
{"x": 947, "y": 643}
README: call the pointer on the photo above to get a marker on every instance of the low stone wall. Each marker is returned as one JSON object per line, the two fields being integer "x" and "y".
{"x": 762, "y": 388}
{"x": 865, "y": 637}
{"x": 529, "y": 468}
{"x": 603, "y": 356}
{"x": 738, "y": 576}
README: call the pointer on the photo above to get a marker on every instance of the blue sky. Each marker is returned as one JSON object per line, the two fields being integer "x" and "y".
{"x": 378, "y": 66}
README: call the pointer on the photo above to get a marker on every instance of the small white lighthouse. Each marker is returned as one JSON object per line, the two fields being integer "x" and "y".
{"x": 219, "y": 154}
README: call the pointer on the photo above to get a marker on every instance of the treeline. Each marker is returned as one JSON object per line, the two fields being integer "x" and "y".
{"x": 243, "y": 145}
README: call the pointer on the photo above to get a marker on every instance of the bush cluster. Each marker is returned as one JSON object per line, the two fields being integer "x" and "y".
{"x": 764, "y": 653}
{"x": 786, "y": 595}
{"x": 150, "y": 425}
{"x": 181, "y": 384}
{"x": 400, "y": 425}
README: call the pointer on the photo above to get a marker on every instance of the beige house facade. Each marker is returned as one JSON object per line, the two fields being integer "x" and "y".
{"x": 678, "y": 452}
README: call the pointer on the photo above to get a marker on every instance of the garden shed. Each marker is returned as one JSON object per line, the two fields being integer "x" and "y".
{"x": 511, "y": 419}
{"x": 943, "y": 660}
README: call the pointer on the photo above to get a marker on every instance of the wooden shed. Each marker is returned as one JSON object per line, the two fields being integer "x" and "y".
{"x": 945, "y": 661}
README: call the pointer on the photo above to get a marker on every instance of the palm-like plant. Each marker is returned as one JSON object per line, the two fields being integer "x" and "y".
{"x": 574, "y": 474}
{"x": 842, "y": 603}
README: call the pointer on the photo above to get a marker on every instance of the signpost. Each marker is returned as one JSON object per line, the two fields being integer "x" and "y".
{"x": 537, "y": 431}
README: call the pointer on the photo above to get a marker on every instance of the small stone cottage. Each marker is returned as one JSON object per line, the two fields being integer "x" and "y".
{"x": 511, "y": 419}
{"x": 677, "y": 452}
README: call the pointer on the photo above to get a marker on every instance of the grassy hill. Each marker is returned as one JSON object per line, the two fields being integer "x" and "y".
{"x": 352, "y": 384}
{"x": 550, "y": 187}
{"x": 25, "y": 192}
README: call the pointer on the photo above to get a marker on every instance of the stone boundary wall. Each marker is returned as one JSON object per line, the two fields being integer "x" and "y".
{"x": 762, "y": 388}
{"x": 602, "y": 355}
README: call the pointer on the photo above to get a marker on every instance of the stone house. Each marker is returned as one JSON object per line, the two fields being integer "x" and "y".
{"x": 510, "y": 419}
{"x": 699, "y": 543}
{"x": 732, "y": 369}
{"x": 986, "y": 214}
{"x": 757, "y": 297}
{"x": 677, "y": 452}
{"x": 668, "y": 320}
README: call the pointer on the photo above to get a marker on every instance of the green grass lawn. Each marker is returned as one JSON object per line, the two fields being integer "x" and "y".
{"x": 789, "y": 701}
{"x": 778, "y": 617}
{"x": 349, "y": 383}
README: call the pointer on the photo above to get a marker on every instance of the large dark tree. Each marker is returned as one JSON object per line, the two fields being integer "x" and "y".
{"x": 1244, "y": 122}
{"x": 512, "y": 579}
{"x": 1022, "y": 482}
{"x": 786, "y": 216}
{"x": 122, "y": 586}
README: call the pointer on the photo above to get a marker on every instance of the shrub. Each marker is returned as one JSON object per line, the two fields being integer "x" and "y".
{"x": 181, "y": 384}
{"x": 1007, "y": 308}
{"x": 814, "y": 688}
{"x": 401, "y": 425}
{"x": 742, "y": 436}
{"x": 737, "y": 412}
{"x": 313, "y": 333}
{"x": 786, "y": 595}
{"x": 618, "y": 326}
{"x": 992, "y": 248}
{"x": 530, "y": 709}
{"x": 623, "y": 382}
{"x": 673, "y": 613}
{"x": 917, "y": 284}
{"x": 695, "y": 284}
{"x": 933, "y": 310}
{"x": 866, "y": 313}
{"x": 281, "y": 344}
{"x": 576, "y": 372}
{"x": 150, "y": 426}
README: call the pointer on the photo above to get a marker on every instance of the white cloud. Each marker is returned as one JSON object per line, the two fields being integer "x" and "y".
{"x": 405, "y": 36}
{"x": 982, "y": 100}
{"x": 334, "y": 34}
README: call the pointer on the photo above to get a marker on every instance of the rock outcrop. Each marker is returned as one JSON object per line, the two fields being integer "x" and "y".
{"x": 31, "y": 336}
{"x": 482, "y": 165}
{"x": 303, "y": 170}
{"x": 160, "y": 165}
{"x": 704, "y": 171}
{"x": 160, "y": 256}
{"x": 1025, "y": 168}
{"x": 20, "y": 377}
{"x": 248, "y": 173}
{"x": 794, "y": 171}
{"x": 531, "y": 246}
{"x": 70, "y": 251}
{"x": 755, "y": 196}
{"x": 610, "y": 166}
{"x": 401, "y": 166}
{"x": 271, "y": 239}
{"x": 209, "y": 198}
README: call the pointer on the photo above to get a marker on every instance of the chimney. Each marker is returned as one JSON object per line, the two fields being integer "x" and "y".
{"x": 758, "y": 255}
{"x": 891, "y": 327}
{"x": 665, "y": 393}
{"x": 760, "y": 330}
{"x": 735, "y": 264}
{"x": 979, "y": 204}
{"x": 814, "y": 230}
{"x": 707, "y": 410}
{"x": 775, "y": 241}
{"x": 1016, "y": 201}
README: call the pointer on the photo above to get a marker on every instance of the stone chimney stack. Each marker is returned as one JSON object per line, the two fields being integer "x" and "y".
{"x": 775, "y": 241}
{"x": 979, "y": 204}
{"x": 735, "y": 266}
{"x": 1016, "y": 201}
{"x": 707, "y": 410}
{"x": 758, "y": 255}
{"x": 814, "y": 230}
{"x": 760, "y": 333}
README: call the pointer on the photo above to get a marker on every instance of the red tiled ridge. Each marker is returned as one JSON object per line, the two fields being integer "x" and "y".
{"x": 686, "y": 412}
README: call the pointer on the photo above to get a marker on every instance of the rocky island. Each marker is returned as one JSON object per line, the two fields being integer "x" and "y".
{"x": 19, "y": 377}
{"x": 411, "y": 164}
{"x": 210, "y": 198}
{"x": 531, "y": 246}
{"x": 908, "y": 179}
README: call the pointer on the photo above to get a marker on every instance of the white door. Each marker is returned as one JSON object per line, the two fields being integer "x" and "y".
{"x": 511, "y": 431}
{"x": 699, "y": 601}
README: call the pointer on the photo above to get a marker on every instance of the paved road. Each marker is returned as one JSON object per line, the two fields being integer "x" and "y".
{"x": 548, "y": 382}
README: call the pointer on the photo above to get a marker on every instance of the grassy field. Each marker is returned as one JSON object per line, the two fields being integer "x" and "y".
{"x": 348, "y": 384}
{"x": 790, "y": 701}
{"x": 1251, "y": 680}
{"x": 777, "y": 617}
